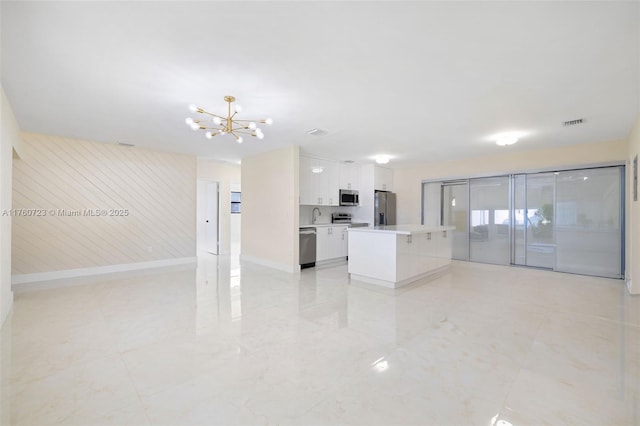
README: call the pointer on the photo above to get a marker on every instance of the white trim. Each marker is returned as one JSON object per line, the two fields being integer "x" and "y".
{"x": 19, "y": 279}
{"x": 292, "y": 269}
{"x": 630, "y": 288}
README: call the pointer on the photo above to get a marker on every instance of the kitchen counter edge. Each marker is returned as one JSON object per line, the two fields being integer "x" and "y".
{"x": 403, "y": 229}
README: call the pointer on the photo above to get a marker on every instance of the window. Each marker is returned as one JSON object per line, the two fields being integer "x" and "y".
{"x": 236, "y": 201}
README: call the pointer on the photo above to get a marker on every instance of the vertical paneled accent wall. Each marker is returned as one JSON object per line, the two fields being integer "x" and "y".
{"x": 93, "y": 204}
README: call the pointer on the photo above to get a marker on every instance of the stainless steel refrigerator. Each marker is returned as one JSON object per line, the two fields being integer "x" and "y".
{"x": 385, "y": 208}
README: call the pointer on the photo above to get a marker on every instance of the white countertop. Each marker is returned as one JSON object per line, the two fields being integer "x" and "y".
{"x": 403, "y": 229}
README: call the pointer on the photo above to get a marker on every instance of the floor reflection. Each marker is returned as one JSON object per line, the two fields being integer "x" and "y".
{"x": 237, "y": 343}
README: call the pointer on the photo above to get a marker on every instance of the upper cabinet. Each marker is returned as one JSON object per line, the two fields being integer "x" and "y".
{"x": 318, "y": 182}
{"x": 349, "y": 176}
{"x": 382, "y": 179}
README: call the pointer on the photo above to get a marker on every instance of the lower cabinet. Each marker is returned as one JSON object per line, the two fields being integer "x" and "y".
{"x": 421, "y": 253}
{"x": 331, "y": 242}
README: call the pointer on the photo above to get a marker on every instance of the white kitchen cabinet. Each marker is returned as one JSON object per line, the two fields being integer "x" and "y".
{"x": 417, "y": 254}
{"x": 331, "y": 242}
{"x": 344, "y": 240}
{"x": 349, "y": 175}
{"x": 318, "y": 182}
{"x": 383, "y": 179}
{"x": 443, "y": 256}
{"x": 398, "y": 255}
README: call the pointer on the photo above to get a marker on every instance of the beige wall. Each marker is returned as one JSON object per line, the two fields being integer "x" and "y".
{"x": 10, "y": 145}
{"x": 228, "y": 176}
{"x": 270, "y": 207}
{"x": 408, "y": 181}
{"x": 633, "y": 215}
{"x": 157, "y": 189}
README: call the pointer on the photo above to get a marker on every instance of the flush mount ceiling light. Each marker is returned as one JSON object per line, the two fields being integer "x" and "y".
{"x": 219, "y": 125}
{"x": 382, "y": 159}
{"x": 506, "y": 139}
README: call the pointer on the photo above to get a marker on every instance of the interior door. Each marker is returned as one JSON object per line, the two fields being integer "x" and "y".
{"x": 207, "y": 216}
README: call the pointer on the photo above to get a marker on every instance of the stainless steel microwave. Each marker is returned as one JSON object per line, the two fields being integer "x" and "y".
{"x": 349, "y": 197}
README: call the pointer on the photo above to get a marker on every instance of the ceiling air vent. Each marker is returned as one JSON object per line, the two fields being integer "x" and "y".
{"x": 573, "y": 122}
{"x": 316, "y": 132}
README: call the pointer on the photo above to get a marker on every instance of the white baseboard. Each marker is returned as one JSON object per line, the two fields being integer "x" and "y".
{"x": 292, "y": 269}
{"x": 21, "y": 279}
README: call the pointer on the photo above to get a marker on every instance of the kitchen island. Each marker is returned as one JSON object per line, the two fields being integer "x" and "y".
{"x": 393, "y": 256}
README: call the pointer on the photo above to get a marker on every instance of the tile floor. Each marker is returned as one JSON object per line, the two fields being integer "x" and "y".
{"x": 230, "y": 344}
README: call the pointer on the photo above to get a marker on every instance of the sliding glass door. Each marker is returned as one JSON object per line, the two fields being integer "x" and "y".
{"x": 489, "y": 231}
{"x": 534, "y": 236}
{"x": 589, "y": 221}
{"x": 455, "y": 212}
{"x": 568, "y": 221}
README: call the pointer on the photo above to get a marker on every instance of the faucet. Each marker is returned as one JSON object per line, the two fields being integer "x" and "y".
{"x": 313, "y": 214}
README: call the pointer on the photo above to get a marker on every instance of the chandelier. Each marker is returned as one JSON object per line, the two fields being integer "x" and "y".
{"x": 218, "y": 125}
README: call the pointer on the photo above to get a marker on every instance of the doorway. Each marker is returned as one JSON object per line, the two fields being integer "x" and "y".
{"x": 207, "y": 207}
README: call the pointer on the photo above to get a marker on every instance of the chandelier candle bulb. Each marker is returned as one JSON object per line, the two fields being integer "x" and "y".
{"x": 229, "y": 124}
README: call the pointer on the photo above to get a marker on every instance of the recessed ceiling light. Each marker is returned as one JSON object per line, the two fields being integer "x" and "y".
{"x": 317, "y": 170}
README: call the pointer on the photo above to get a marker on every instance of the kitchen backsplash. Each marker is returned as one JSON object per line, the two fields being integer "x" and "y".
{"x": 324, "y": 217}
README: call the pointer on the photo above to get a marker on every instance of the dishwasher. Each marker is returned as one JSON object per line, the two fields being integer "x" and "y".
{"x": 307, "y": 247}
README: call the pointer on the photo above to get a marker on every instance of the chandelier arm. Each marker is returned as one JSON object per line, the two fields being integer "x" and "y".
{"x": 240, "y": 124}
{"x": 214, "y": 115}
{"x": 243, "y": 132}
{"x": 248, "y": 121}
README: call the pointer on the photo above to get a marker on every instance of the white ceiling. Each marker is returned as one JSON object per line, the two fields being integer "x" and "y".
{"x": 420, "y": 81}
